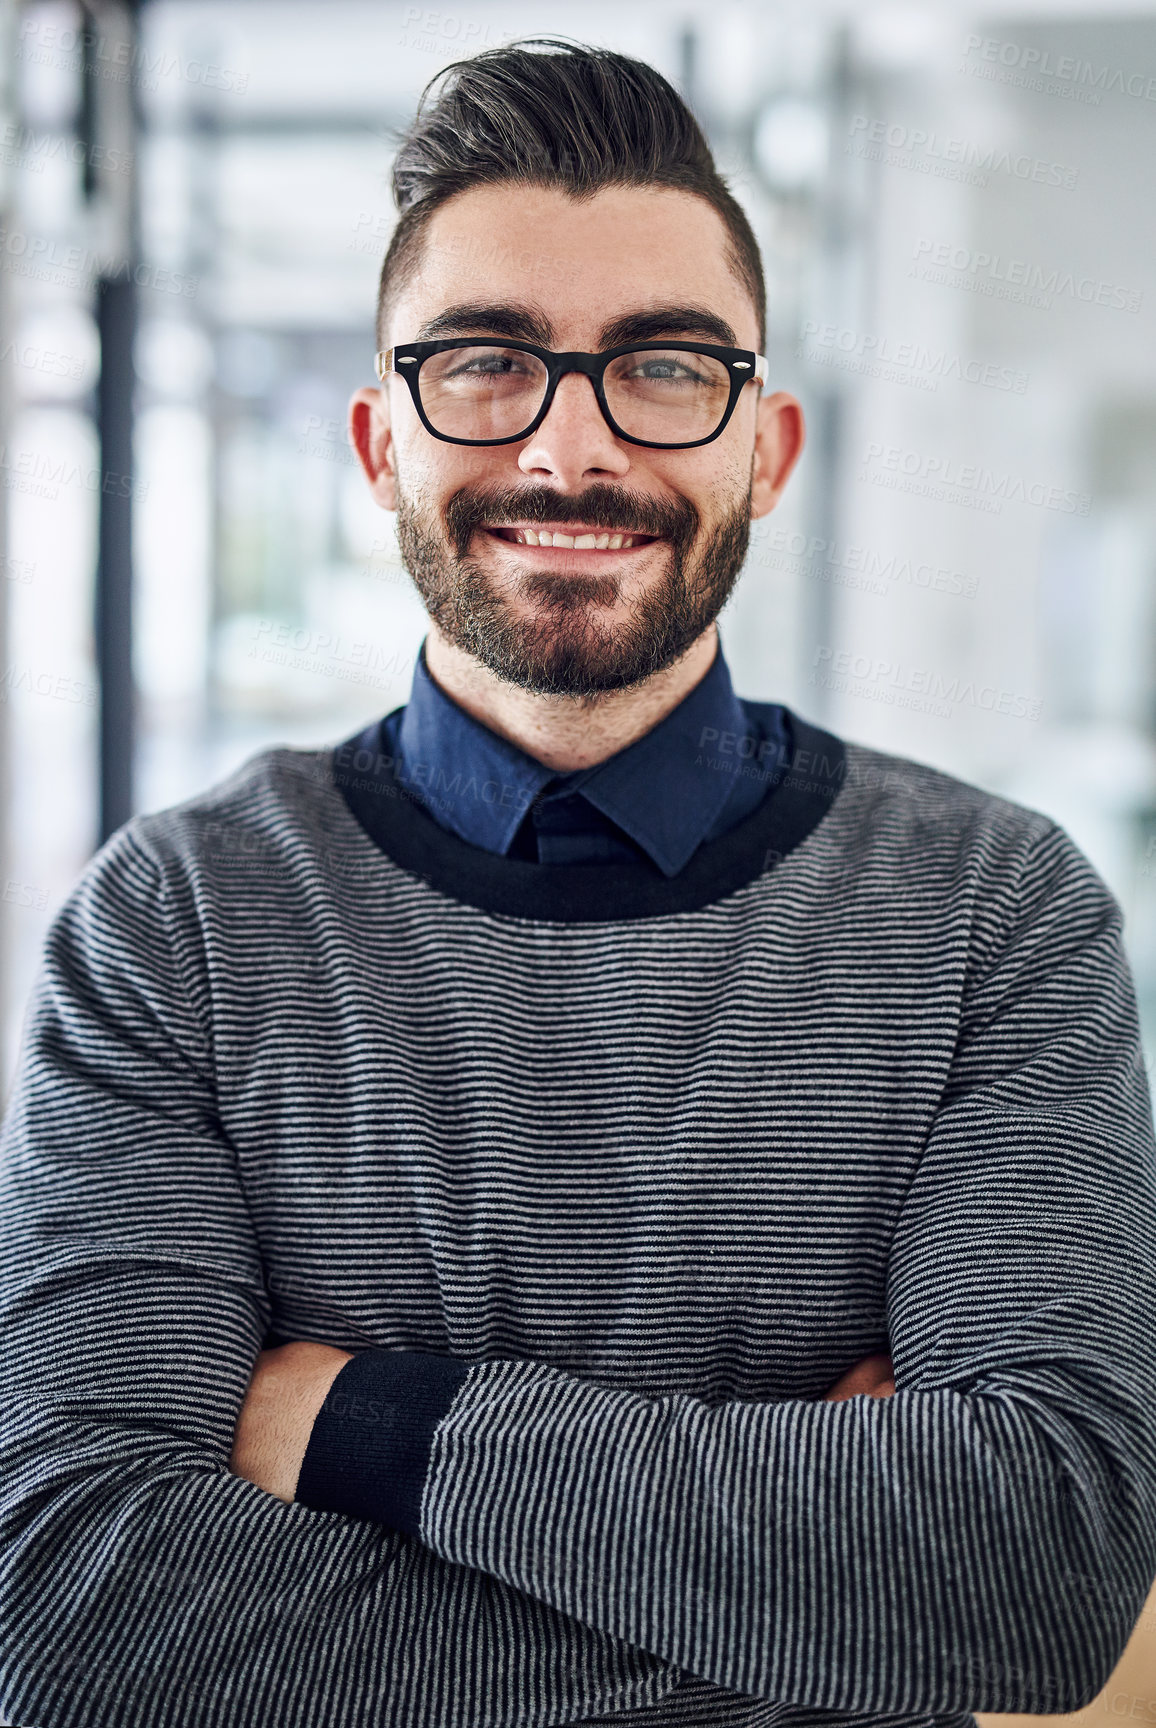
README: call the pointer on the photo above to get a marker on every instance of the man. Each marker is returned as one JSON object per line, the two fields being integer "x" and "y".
{"x": 565, "y": 1096}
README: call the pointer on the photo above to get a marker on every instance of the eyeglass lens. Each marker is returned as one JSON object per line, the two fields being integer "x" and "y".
{"x": 661, "y": 396}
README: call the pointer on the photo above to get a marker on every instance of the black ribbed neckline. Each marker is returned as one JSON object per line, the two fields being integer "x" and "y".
{"x": 802, "y": 792}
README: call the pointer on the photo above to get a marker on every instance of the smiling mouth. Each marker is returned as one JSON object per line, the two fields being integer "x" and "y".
{"x": 579, "y": 539}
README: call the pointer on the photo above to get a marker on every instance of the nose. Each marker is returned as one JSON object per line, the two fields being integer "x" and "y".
{"x": 574, "y": 441}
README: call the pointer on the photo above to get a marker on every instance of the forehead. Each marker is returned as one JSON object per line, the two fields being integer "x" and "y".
{"x": 581, "y": 262}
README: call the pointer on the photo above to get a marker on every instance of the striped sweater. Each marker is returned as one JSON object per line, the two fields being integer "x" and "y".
{"x": 658, "y": 1160}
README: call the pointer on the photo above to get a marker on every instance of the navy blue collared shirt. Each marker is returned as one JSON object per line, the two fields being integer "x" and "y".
{"x": 705, "y": 766}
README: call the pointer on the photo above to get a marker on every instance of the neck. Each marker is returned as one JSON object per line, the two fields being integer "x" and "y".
{"x": 566, "y": 732}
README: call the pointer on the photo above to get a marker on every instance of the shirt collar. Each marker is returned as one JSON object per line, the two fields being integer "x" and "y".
{"x": 664, "y": 790}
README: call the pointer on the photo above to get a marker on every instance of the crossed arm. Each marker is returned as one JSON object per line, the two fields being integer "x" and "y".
{"x": 290, "y": 1384}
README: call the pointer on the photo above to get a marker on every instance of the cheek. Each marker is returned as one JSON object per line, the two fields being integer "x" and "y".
{"x": 732, "y": 481}
{"x": 419, "y": 485}
{"x": 717, "y": 487}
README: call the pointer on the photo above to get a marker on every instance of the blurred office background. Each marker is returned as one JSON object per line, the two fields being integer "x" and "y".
{"x": 956, "y": 219}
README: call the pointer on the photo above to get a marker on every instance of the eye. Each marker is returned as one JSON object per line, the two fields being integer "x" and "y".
{"x": 663, "y": 367}
{"x": 490, "y": 364}
{"x": 675, "y": 369}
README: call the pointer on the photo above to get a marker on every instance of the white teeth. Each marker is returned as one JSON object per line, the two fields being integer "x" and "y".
{"x": 581, "y": 542}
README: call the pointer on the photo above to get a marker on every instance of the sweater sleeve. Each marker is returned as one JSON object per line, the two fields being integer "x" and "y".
{"x": 142, "y": 1584}
{"x": 985, "y": 1538}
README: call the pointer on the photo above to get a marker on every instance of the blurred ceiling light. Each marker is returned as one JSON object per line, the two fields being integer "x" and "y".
{"x": 791, "y": 143}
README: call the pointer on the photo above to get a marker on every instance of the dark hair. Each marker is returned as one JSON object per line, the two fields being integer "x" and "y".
{"x": 578, "y": 119}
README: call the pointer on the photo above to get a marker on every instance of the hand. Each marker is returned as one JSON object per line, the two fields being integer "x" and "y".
{"x": 288, "y": 1388}
{"x": 875, "y": 1376}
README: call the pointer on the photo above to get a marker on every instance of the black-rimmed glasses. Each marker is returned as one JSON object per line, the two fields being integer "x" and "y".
{"x": 664, "y": 395}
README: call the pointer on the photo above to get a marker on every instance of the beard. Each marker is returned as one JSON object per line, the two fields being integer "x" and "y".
{"x": 564, "y": 649}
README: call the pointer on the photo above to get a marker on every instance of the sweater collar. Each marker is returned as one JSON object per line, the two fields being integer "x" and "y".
{"x": 809, "y": 781}
{"x": 663, "y": 790}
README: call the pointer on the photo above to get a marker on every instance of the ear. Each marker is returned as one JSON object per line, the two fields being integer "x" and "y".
{"x": 779, "y": 439}
{"x": 371, "y": 435}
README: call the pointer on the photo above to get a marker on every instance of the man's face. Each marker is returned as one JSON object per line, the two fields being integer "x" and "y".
{"x": 560, "y": 273}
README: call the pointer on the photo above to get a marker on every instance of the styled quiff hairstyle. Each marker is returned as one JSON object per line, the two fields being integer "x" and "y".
{"x": 576, "y": 118}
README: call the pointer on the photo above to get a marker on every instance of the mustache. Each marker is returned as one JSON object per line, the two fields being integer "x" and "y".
{"x": 471, "y": 508}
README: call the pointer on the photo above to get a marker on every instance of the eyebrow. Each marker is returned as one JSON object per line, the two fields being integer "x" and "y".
{"x": 526, "y": 324}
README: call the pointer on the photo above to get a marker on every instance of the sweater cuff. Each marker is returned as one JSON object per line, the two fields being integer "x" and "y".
{"x": 370, "y": 1444}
